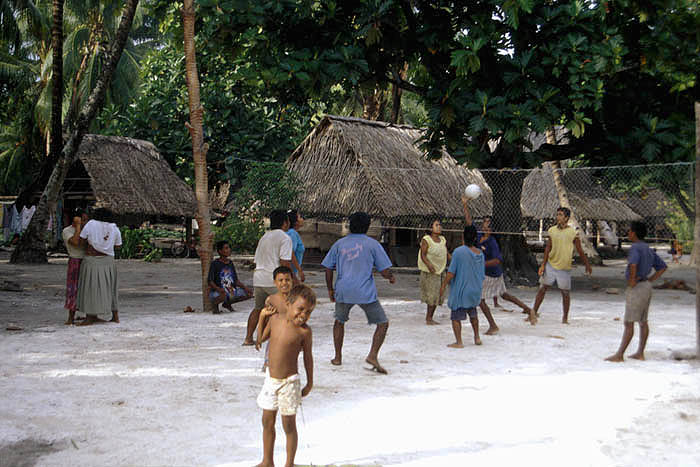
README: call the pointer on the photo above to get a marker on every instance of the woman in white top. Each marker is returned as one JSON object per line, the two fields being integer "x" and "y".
{"x": 432, "y": 262}
{"x": 76, "y": 253}
{"x": 97, "y": 287}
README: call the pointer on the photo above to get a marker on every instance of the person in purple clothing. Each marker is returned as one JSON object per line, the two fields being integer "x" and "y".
{"x": 353, "y": 257}
{"x": 640, "y": 261}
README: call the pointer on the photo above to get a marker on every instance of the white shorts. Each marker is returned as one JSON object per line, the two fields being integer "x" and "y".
{"x": 280, "y": 394}
{"x": 493, "y": 287}
{"x": 560, "y": 276}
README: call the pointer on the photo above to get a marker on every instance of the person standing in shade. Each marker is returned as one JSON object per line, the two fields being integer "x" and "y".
{"x": 556, "y": 266}
{"x": 296, "y": 222}
{"x": 274, "y": 250}
{"x": 432, "y": 260}
{"x": 354, "y": 257}
{"x": 640, "y": 261}
{"x": 98, "y": 284}
{"x": 76, "y": 253}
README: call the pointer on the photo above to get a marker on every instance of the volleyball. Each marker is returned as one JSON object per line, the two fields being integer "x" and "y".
{"x": 472, "y": 191}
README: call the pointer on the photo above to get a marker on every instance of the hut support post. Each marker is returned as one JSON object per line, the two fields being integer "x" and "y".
{"x": 696, "y": 236}
{"x": 539, "y": 236}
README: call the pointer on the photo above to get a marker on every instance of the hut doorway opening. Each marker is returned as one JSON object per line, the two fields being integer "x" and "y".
{"x": 404, "y": 248}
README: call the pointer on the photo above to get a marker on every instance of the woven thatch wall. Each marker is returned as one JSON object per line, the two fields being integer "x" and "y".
{"x": 349, "y": 164}
{"x": 128, "y": 176}
{"x": 589, "y": 201}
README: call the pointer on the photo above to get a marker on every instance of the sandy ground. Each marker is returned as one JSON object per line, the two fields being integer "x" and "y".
{"x": 166, "y": 388}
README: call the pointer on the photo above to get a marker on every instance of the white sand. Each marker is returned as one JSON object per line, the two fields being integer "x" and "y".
{"x": 166, "y": 388}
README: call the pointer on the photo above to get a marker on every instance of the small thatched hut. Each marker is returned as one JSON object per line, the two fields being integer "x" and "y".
{"x": 589, "y": 200}
{"x": 350, "y": 164}
{"x": 127, "y": 177}
{"x": 654, "y": 207}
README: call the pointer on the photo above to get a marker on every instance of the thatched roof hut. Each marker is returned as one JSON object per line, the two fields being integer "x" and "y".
{"x": 589, "y": 200}
{"x": 652, "y": 204}
{"x": 127, "y": 177}
{"x": 350, "y": 164}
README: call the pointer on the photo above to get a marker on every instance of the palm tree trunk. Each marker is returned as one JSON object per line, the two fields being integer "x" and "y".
{"x": 32, "y": 248}
{"x": 695, "y": 257}
{"x": 199, "y": 149}
{"x": 56, "y": 145}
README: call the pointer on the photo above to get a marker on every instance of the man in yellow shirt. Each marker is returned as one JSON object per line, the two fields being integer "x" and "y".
{"x": 556, "y": 266}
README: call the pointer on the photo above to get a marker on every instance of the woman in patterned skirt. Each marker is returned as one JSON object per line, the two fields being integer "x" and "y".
{"x": 432, "y": 261}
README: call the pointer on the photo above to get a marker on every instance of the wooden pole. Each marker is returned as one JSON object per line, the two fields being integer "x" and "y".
{"x": 696, "y": 236}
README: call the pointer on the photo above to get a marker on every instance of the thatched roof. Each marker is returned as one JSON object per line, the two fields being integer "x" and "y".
{"x": 649, "y": 204}
{"x": 128, "y": 176}
{"x": 350, "y": 164}
{"x": 589, "y": 200}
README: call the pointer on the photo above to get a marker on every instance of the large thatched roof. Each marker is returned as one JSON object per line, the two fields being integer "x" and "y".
{"x": 588, "y": 199}
{"x": 649, "y": 204}
{"x": 351, "y": 164}
{"x": 128, "y": 176}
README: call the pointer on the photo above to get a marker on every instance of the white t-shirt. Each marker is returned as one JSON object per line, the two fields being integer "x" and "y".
{"x": 272, "y": 247}
{"x": 73, "y": 251}
{"x": 102, "y": 236}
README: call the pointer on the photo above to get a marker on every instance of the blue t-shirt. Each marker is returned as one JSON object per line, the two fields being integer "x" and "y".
{"x": 491, "y": 251}
{"x": 297, "y": 247}
{"x": 353, "y": 257}
{"x": 468, "y": 270}
{"x": 645, "y": 258}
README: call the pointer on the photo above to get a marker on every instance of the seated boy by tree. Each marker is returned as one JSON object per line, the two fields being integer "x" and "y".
{"x": 224, "y": 286}
{"x": 289, "y": 335}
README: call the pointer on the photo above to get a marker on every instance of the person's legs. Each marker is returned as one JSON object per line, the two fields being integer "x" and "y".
{"x": 115, "y": 316}
{"x": 457, "y": 330}
{"x": 534, "y": 311}
{"x": 268, "y": 423}
{"x": 565, "y": 304}
{"x": 475, "y": 327}
{"x": 513, "y": 299}
{"x": 643, "y": 336}
{"x": 91, "y": 319}
{"x": 377, "y": 341}
{"x": 71, "y": 317}
{"x": 495, "y": 302}
{"x": 429, "y": 315}
{"x": 289, "y": 424}
{"x": 626, "y": 338}
{"x": 493, "y": 328}
{"x": 252, "y": 324}
{"x": 338, "y": 336}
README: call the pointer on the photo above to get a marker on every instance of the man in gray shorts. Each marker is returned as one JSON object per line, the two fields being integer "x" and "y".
{"x": 640, "y": 261}
{"x": 354, "y": 256}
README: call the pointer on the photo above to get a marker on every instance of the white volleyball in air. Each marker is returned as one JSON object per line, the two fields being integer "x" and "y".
{"x": 472, "y": 191}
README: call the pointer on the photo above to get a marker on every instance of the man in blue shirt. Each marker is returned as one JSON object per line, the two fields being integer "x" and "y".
{"x": 354, "y": 257}
{"x": 466, "y": 275}
{"x": 640, "y": 261}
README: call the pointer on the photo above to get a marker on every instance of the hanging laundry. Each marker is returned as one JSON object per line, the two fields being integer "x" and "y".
{"x": 27, "y": 213}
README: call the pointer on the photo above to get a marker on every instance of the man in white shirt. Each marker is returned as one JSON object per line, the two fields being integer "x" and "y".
{"x": 274, "y": 249}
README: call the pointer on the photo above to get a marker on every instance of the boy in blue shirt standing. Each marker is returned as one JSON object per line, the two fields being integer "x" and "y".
{"x": 640, "y": 261}
{"x": 465, "y": 276}
{"x": 354, "y": 256}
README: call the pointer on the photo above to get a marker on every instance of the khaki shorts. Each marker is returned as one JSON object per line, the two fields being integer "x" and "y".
{"x": 637, "y": 301}
{"x": 280, "y": 394}
{"x": 261, "y": 294}
{"x": 430, "y": 288}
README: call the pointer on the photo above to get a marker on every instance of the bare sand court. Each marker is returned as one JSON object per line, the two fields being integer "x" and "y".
{"x": 165, "y": 387}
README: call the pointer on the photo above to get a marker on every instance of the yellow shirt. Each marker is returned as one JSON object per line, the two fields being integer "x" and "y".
{"x": 436, "y": 254}
{"x": 562, "y": 251}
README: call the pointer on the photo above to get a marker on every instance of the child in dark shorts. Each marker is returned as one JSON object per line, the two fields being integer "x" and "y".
{"x": 224, "y": 286}
{"x": 465, "y": 276}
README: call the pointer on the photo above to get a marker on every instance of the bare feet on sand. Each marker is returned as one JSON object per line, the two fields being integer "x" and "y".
{"x": 376, "y": 366}
{"x": 91, "y": 319}
{"x": 456, "y": 345}
{"x": 532, "y": 317}
{"x": 431, "y": 322}
{"x": 247, "y": 342}
{"x": 492, "y": 331}
{"x": 228, "y": 307}
{"x": 263, "y": 464}
{"x": 615, "y": 358}
{"x": 477, "y": 341}
{"x": 637, "y": 356}
{"x": 337, "y": 361}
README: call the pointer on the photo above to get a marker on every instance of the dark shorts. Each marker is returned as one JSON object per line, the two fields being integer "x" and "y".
{"x": 460, "y": 314}
{"x": 374, "y": 312}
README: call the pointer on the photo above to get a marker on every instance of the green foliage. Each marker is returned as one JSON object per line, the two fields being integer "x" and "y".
{"x": 267, "y": 186}
{"x": 680, "y": 224}
{"x": 138, "y": 243}
{"x": 154, "y": 256}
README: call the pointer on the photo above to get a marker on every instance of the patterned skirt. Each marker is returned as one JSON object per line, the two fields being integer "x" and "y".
{"x": 430, "y": 288}
{"x": 493, "y": 287}
{"x": 72, "y": 284}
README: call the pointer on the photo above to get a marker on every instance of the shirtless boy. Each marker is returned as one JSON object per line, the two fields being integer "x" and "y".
{"x": 283, "y": 279}
{"x": 289, "y": 335}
